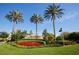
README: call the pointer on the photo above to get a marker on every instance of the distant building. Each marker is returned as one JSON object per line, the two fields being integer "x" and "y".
{"x": 31, "y": 36}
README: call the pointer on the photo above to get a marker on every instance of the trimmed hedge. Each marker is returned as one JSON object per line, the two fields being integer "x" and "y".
{"x": 66, "y": 42}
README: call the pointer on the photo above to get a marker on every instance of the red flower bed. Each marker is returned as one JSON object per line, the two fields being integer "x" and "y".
{"x": 29, "y": 43}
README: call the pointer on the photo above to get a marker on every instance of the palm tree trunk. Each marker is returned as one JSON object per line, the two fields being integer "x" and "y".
{"x": 36, "y": 31}
{"x": 54, "y": 27}
{"x": 13, "y": 30}
{"x": 63, "y": 38}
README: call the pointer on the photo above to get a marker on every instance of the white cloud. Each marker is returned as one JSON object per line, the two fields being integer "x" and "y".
{"x": 69, "y": 16}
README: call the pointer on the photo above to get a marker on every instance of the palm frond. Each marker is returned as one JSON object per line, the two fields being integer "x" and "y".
{"x": 35, "y": 18}
{"x": 53, "y": 10}
{"x": 14, "y": 16}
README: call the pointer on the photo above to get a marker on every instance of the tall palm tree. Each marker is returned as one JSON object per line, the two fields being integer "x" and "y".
{"x": 52, "y": 12}
{"x": 35, "y": 18}
{"x": 14, "y": 16}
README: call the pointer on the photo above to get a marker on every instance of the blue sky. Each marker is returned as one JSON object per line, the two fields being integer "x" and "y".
{"x": 69, "y": 22}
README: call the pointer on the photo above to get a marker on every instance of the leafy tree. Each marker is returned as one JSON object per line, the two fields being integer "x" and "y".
{"x": 44, "y": 34}
{"x": 3, "y": 34}
{"x": 48, "y": 37}
{"x": 31, "y": 32}
{"x": 74, "y": 36}
{"x": 53, "y": 11}
{"x": 17, "y": 36}
{"x": 24, "y": 32}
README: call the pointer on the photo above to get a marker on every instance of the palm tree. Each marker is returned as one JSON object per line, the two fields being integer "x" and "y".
{"x": 36, "y": 19}
{"x": 14, "y": 16}
{"x": 52, "y": 12}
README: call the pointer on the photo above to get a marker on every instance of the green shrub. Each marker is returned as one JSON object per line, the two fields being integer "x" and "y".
{"x": 3, "y": 34}
{"x": 58, "y": 38}
{"x": 48, "y": 38}
{"x": 13, "y": 37}
{"x": 17, "y": 36}
{"x": 74, "y": 36}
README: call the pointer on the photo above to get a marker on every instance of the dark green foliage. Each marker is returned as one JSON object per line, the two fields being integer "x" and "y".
{"x": 31, "y": 32}
{"x": 44, "y": 34}
{"x": 17, "y": 36}
{"x": 3, "y": 34}
{"x": 74, "y": 36}
{"x": 69, "y": 38}
{"x": 13, "y": 37}
{"x": 24, "y": 32}
{"x": 58, "y": 38}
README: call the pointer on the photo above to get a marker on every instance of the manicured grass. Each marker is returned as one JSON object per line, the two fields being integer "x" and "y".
{"x": 7, "y": 49}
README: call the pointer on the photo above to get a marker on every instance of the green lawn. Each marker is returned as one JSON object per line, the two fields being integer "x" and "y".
{"x": 7, "y": 49}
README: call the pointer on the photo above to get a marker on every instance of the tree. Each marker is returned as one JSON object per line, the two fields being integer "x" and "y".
{"x": 17, "y": 36}
{"x": 36, "y": 19}
{"x": 74, "y": 36}
{"x": 53, "y": 12}
{"x": 14, "y": 16}
{"x": 44, "y": 34}
{"x": 49, "y": 37}
{"x": 24, "y": 32}
{"x": 3, "y": 34}
{"x": 31, "y": 32}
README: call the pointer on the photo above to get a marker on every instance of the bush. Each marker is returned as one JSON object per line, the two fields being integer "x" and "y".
{"x": 48, "y": 38}
{"x": 3, "y": 34}
{"x": 58, "y": 39}
{"x": 16, "y": 36}
{"x": 13, "y": 37}
{"x": 74, "y": 36}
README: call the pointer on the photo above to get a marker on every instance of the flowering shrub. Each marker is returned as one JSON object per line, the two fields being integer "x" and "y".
{"x": 29, "y": 43}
